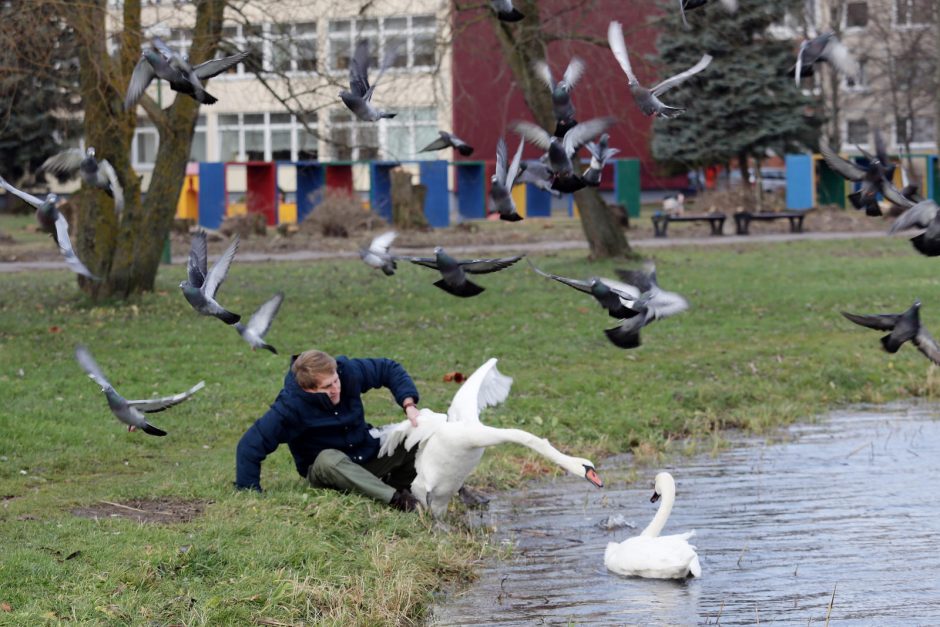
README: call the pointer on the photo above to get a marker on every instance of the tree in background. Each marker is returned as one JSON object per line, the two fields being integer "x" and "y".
{"x": 746, "y": 102}
{"x": 38, "y": 87}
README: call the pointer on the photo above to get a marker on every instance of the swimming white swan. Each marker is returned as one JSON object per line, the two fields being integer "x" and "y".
{"x": 450, "y": 446}
{"x": 650, "y": 554}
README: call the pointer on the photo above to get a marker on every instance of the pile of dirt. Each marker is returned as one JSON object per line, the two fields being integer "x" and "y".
{"x": 159, "y": 511}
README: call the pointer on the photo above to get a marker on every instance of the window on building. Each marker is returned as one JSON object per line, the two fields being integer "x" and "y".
{"x": 917, "y": 130}
{"x": 145, "y": 144}
{"x": 856, "y": 14}
{"x": 245, "y": 37}
{"x": 352, "y": 140}
{"x": 293, "y": 47}
{"x": 265, "y": 137}
{"x": 908, "y": 13}
{"x": 859, "y": 83}
{"x": 857, "y": 132}
{"x": 180, "y": 40}
{"x": 410, "y": 131}
{"x": 413, "y": 37}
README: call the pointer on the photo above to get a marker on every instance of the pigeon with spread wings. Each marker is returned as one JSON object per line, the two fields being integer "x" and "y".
{"x": 201, "y": 286}
{"x": 504, "y": 177}
{"x": 377, "y": 255}
{"x": 358, "y": 98}
{"x": 454, "y": 271}
{"x": 926, "y": 215}
{"x": 902, "y": 327}
{"x": 260, "y": 322}
{"x": 130, "y": 413}
{"x": 449, "y": 140}
{"x": 562, "y": 107}
{"x": 871, "y": 177}
{"x": 825, "y": 48}
{"x": 101, "y": 174}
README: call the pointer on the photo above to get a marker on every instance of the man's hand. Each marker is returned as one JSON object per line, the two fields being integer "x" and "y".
{"x": 412, "y": 413}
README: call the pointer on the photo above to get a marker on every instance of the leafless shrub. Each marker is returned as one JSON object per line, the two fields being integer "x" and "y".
{"x": 338, "y": 215}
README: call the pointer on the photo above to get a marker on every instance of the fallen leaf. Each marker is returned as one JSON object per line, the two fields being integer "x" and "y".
{"x": 6, "y": 607}
{"x": 55, "y": 329}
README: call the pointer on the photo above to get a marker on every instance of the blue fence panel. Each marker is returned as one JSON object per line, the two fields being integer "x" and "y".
{"x": 799, "y": 169}
{"x": 437, "y": 200}
{"x": 211, "y": 194}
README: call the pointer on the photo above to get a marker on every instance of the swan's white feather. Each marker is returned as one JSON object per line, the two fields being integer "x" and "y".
{"x": 661, "y": 557}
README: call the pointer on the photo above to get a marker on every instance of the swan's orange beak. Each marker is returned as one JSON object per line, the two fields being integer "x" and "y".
{"x": 591, "y": 475}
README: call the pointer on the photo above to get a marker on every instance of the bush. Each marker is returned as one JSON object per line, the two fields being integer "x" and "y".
{"x": 338, "y": 215}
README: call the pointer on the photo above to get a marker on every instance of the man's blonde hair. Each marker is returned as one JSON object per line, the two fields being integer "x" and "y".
{"x": 312, "y": 367}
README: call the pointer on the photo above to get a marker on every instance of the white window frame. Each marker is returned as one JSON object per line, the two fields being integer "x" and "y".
{"x": 266, "y": 126}
{"x": 845, "y": 17}
{"x": 908, "y": 25}
{"x": 294, "y": 34}
{"x": 848, "y": 137}
{"x": 862, "y": 85}
{"x": 147, "y": 129}
{"x": 927, "y": 143}
{"x": 382, "y": 34}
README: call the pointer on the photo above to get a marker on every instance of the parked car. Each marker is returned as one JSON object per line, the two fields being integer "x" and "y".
{"x": 774, "y": 180}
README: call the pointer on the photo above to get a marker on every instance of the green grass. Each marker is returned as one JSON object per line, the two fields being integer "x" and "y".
{"x": 762, "y": 345}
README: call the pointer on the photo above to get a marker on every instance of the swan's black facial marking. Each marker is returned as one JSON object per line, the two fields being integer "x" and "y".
{"x": 655, "y": 497}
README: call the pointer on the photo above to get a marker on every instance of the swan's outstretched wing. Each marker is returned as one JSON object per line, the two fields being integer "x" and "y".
{"x": 681, "y": 77}
{"x": 619, "y": 48}
{"x": 153, "y": 405}
{"x": 485, "y": 387}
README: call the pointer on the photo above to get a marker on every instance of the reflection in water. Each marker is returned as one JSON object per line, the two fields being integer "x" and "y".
{"x": 851, "y": 503}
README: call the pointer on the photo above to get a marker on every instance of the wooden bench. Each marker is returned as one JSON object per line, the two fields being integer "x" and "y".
{"x": 661, "y": 221}
{"x": 742, "y": 220}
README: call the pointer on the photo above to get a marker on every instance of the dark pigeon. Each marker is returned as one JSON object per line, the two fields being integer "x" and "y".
{"x": 454, "y": 271}
{"x": 505, "y": 11}
{"x": 359, "y": 97}
{"x": 872, "y": 178}
{"x": 449, "y": 140}
{"x": 926, "y": 215}
{"x": 562, "y": 106}
{"x": 260, "y": 322}
{"x": 201, "y": 286}
{"x": 902, "y": 327}
{"x": 101, "y": 174}
{"x": 825, "y": 48}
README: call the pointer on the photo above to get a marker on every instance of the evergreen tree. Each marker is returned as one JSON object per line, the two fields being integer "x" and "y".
{"x": 746, "y": 101}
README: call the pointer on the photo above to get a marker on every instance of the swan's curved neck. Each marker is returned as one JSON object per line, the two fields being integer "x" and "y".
{"x": 667, "y": 498}
{"x": 537, "y": 444}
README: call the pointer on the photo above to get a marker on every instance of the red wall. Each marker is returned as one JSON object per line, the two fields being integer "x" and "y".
{"x": 486, "y": 98}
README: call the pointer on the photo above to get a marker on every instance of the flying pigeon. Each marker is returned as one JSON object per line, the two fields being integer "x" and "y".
{"x": 454, "y": 271}
{"x": 200, "y": 287}
{"x": 651, "y": 301}
{"x": 926, "y": 215}
{"x": 260, "y": 322}
{"x": 825, "y": 48}
{"x": 449, "y": 140}
{"x": 902, "y": 327}
{"x": 53, "y": 222}
{"x": 687, "y": 5}
{"x": 538, "y": 174}
{"x": 158, "y": 61}
{"x": 503, "y": 179}
{"x": 130, "y": 412}
{"x": 561, "y": 151}
{"x": 359, "y": 97}
{"x": 871, "y": 177}
{"x": 377, "y": 255}
{"x": 505, "y": 11}
{"x": 561, "y": 91}
{"x": 600, "y": 155}
{"x": 648, "y": 99}
{"x": 100, "y": 174}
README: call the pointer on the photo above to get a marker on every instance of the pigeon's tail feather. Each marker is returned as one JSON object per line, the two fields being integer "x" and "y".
{"x": 465, "y": 150}
{"x": 510, "y": 217}
{"x": 621, "y": 339}
{"x": 925, "y": 246}
{"x": 269, "y": 348}
{"x": 388, "y": 270}
{"x": 228, "y": 317}
{"x": 670, "y": 112}
{"x": 510, "y": 16}
{"x": 469, "y": 288}
{"x": 890, "y": 344}
{"x": 872, "y": 210}
{"x": 388, "y": 115}
{"x": 152, "y": 430}
{"x": 205, "y": 97}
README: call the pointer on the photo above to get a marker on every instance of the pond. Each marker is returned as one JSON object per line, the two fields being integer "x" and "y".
{"x": 850, "y": 504}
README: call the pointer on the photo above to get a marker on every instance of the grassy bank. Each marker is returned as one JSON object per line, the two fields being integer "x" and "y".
{"x": 762, "y": 345}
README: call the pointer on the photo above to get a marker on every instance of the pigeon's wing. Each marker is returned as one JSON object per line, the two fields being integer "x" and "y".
{"x": 153, "y": 405}
{"x": 359, "y": 69}
{"x": 623, "y": 290}
{"x": 33, "y": 200}
{"x": 664, "y": 304}
{"x": 140, "y": 79}
{"x": 198, "y": 259}
{"x": 845, "y": 168}
{"x": 438, "y": 144}
{"x": 485, "y": 266}
{"x": 641, "y": 279}
{"x": 798, "y": 68}
{"x": 68, "y": 253}
{"x": 879, "y": 322}
{"x": 585, "y": 132}
{"x": 162, "y": 48}
{"x": 574, "y": 71}
{"x": 919, "y": 215}
{"x": 927, "y": 345}
{"x": 381, "y": 243}
{"x": 893, "y": 194}
{"x": 840, "y": 58}
{"x": 681, "y": 77}
{"x": 390, "y": 55}
{"x": 214, "y": 67}
{"x": 533, "y": 133}
{"x": 65, "y": 163}
{"x": 91, "y": 367}
{"x": 484, "y": 388}
{"x": 220, "y": 270}
{"x": 543, "y": 72}
{"x": 261, "y": 320}
{"x": 502, "y": 162}
{"x": 581, "y": 286}
{"x": 619, "y": 48}
{"x": 513, "y": 173}
{"x": 428, "y": 262}
{"x": 116, "y": 190}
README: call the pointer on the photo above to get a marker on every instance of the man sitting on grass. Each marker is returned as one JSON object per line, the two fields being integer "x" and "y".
{"x": 319, "y": 414}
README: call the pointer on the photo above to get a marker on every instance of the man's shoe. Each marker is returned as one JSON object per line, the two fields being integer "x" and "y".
{"x": 404, "y": 500}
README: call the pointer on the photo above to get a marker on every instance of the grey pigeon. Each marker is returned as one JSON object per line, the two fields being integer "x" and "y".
{"x": 449, "y": 140}
{"x": 562, "y": 107}
{"x": 260, "y": 322}
{"x": 503, "y": 179}
{"x": 902, "y": 327}
{"x": 687, "y": 5}
{"x": 648, "y": 99}
{"x": 825, "y": 48}
{"x": 53, "y": 222}
{"x": 926, "y": 215}
{"x": 505, "y": 11}
{"x": 560, "y": 152}
{"x": 600, "y": 155}
{"x": 871, "y": 177}
{"x": 538, "y": 174}
{"x": 130, "y": 413}
{"x": 377, "y": 255}
{"x": 100, "y": 174}
{"x": 201, "y": 286}
{"x": 359, "y": 97}
{"x": 607, "y": 292}
{"x": 653, "y": 303}
{"x": 156, "y": 64}
{"x": 454, "y": 271}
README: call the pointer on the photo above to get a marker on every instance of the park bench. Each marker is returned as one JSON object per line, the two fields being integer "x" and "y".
{"x": 661, "y": 221}
{"x": 743, "y": 219}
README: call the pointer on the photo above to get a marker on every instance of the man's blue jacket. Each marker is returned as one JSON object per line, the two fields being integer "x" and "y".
{"x": 309, "y": 423}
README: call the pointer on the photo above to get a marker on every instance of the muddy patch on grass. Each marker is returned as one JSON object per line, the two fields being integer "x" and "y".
{"x": 157, "y": 511}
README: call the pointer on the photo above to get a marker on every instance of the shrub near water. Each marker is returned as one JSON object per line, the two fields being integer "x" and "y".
{"x": 762, "y": 344}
